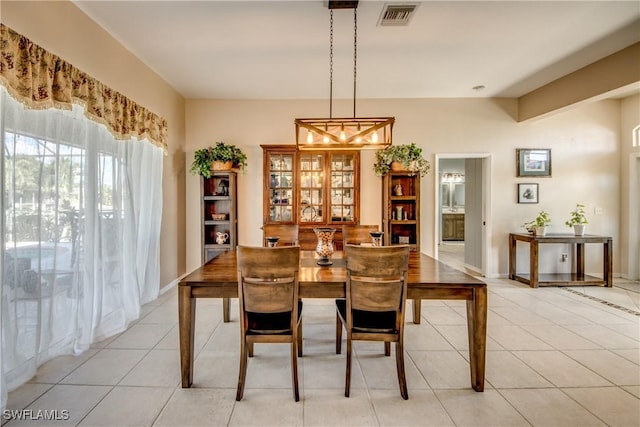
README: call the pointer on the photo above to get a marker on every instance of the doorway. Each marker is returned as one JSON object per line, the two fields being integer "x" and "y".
{"x": 462, "y": 211}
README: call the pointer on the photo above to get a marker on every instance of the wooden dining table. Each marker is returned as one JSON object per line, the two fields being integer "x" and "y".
{"x": 428, "y": 278}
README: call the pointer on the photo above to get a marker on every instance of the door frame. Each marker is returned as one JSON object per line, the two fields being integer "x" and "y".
{"x": 634, "y": 217}
{"x": 486, "y": 204}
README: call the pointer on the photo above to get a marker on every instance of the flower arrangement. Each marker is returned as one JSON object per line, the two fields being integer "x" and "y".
{"x": 542, "y": 220}
{"x": 577, "y": 216}
{"x": 221, "y": 152}
{"x": 410, "y": 156}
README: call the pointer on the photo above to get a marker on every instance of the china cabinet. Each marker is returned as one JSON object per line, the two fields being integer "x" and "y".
{"x": 310, "y": 188}
{"x": 218, "y": 214}
{"x": 401, "y": 209}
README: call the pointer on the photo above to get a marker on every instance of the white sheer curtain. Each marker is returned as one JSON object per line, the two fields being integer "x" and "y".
{"x": 80, "y": 226}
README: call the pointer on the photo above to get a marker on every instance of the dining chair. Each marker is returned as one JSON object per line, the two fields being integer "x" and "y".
{"x": 269, "y": 308}
{"x": 374, "y": 307}
{"x": 357, "y": 234}
{"x": 287, "y": 234}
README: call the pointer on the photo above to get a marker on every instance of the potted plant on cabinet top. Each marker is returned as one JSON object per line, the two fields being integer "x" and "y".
{"x": 538, "y": 226}
{"x": 219, "y": 157}
{"x": 401, "y": 157}
{"x": 577, "y": 220}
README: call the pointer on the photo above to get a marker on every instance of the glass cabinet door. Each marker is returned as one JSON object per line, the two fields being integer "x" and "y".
{"x": 281, "y": 182}
{"x": 342, "y": 188}
{"x": 311, "y": 188}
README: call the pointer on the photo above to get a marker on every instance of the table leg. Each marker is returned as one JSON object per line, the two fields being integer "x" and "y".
{"x": 417, "y": 310}
{"x": 477, "y": 331}
{"x": 608, "y": 264}
{"x": 533, "y": 263}
{"x": 186, "y": 324}
{"x": 225, "y": 310}
{"x": 512, "y": 257}
{"x": 580, "y": 261}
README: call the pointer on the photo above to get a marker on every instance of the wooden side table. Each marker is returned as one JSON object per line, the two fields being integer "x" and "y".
{"x": 576, "y": 278}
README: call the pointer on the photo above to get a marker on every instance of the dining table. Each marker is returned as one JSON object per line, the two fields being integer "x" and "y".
{"x": 427, "y": 279}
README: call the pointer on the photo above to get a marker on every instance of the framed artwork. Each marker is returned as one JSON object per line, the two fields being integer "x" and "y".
{"x": 527, "y": 193}
{"x": 533, "y": 162}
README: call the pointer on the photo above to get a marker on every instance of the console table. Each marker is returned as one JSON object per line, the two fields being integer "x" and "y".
{"x": 578, "y": 277}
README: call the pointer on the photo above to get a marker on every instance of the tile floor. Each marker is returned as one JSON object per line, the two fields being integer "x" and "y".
{"x": 555, "y": 357}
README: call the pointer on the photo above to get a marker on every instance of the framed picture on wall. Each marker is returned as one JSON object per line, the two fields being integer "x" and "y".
{"x": 527, "y": 193}
{"x": 533, "y": 162}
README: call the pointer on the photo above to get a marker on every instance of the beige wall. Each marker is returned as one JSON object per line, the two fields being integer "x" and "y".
{"x": 585, "y": 144}
{"x": 63, "y": 29}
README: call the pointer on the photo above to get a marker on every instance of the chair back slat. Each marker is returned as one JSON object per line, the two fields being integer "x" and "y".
{"x": 377, "y": 262}
{"x": 357, "y": 234}
{"x": 287, "y": 234}
{"x": 268, "y": 263}
{"x": 376, "y": 296}
{"x": 268, "y": 296}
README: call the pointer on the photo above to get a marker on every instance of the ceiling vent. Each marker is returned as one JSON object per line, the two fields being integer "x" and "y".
{"x": 396, "y": 14}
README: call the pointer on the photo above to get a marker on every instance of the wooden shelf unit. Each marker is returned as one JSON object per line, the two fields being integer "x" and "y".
{"x": 218, "y": 213}
{"x": 404, "y": 230}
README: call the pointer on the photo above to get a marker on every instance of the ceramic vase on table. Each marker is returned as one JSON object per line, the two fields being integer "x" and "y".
{"x": 376, "y": 238}
{"x": 324, "y": 249}
{"x": 578, "y": 229}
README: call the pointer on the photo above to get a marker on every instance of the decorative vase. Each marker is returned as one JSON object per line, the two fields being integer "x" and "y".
{"x": 324, "y": 249}
{"x": 399, "y": 213}
{"x": 221, "y": 166}
{"x": 376, "y": 238}
{"x": 578, "y": 229}
{"x": 272, "y": 241}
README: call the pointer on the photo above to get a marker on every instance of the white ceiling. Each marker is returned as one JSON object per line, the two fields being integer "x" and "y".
{"x": 280, "y": 49}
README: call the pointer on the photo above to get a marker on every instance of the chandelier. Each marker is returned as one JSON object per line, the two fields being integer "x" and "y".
{"x": 344, "y": 133}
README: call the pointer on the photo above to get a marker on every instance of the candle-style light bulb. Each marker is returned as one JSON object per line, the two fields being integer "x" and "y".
{"x": 309, "y": 137}
{"x": 374, "y": 137}
{"x": 343, "y": 136}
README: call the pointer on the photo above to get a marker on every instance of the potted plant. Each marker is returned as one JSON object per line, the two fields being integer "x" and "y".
{"x": 577, "y": 220}
{"x": 219, "y": 157}
{"x": 539, "y": 225}
{"x": 401, "y": 157}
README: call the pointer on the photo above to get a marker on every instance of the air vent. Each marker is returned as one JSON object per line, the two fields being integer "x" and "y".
{"x": 396, "y": 14}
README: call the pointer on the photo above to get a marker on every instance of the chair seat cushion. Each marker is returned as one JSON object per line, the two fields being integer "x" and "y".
{"x": 271, "y": 323}
{"x": 369, "y": 321}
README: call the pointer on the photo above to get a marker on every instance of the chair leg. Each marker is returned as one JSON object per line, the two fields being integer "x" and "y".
{"x": 250, "y": 349}
{"x": 299, "y": 339}
{"x": 402, "y": 380}
{"x": 338, "y": 334}
{"x": 243, "y": 369}
{"x": 387, "y": 348}
{"x": 347, "y": 385}
{"x": 294, "y": 369}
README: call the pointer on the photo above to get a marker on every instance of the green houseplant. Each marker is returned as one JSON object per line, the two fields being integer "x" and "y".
{"x": 538, "y": 226}
{"x": 577, "y": 220}
{"x": 221, "y": 152}
{"x": 408, "y": 155}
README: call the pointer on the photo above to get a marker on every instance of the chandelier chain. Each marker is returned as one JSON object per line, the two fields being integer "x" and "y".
{"x": 355, "y": 56}
{"x": 331, "y": 64}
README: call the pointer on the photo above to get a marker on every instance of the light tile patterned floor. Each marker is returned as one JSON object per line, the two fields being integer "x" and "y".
{"x": 555, "y": 357}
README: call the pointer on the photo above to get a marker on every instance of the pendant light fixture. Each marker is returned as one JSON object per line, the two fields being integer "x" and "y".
{"x": 344, "y": 133}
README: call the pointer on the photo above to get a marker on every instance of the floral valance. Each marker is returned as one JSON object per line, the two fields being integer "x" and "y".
{"x": 40, "y": 79}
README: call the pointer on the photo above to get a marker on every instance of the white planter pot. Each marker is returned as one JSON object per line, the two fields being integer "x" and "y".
{"x": 579, "y": 229}
{"x": 540, "y": 231}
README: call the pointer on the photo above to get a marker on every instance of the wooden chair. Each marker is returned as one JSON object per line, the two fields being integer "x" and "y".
{"x": 374, "y": 307}
{"x": 287, "y": 233}
{"x": 269, "y": 307}
{"x": 357, "y": 234}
